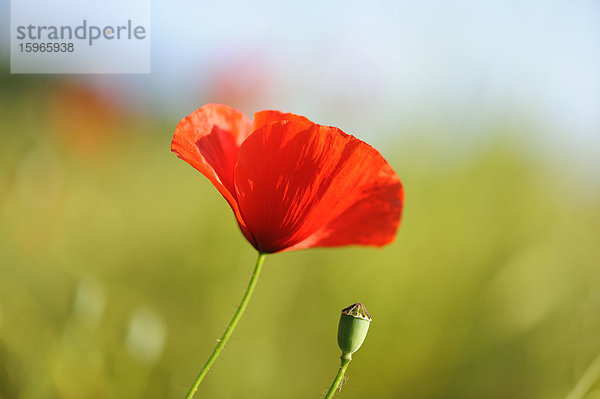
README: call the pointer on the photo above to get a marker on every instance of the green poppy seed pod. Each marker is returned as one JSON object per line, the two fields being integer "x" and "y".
{"x": 353, "y": 327}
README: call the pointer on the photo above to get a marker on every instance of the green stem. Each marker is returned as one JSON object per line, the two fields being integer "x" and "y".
{"x": 230, "y": 327}
{"x": 337, "y": 381}
{"x": 587, "y": 380}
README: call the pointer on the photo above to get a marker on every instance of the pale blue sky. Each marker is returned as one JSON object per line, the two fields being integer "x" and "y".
{"x": 375, "y": 66}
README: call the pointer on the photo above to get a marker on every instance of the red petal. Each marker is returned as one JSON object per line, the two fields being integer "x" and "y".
{"x": 301, "y": 186}
{"x": 265, "y": 117}
{"x": 209, "y": 139}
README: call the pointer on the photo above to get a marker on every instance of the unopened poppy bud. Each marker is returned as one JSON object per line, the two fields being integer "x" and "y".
{"x": 353, "y": 327}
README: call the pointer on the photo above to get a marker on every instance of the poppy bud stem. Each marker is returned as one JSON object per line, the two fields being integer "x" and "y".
{"x": 230, "y": 327}
{"x": 337, "y": 381}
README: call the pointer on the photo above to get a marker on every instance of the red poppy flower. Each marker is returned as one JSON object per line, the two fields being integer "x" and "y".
{"x": 292, "y": 183}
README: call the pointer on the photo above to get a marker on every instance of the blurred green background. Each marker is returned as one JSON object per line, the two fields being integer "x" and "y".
{"x": 120, "y": 265}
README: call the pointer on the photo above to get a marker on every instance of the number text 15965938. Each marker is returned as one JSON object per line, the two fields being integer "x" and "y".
{"x": 46, "y": 47}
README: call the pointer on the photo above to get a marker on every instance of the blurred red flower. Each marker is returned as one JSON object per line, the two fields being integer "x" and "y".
{"x": 292, "y": 183}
